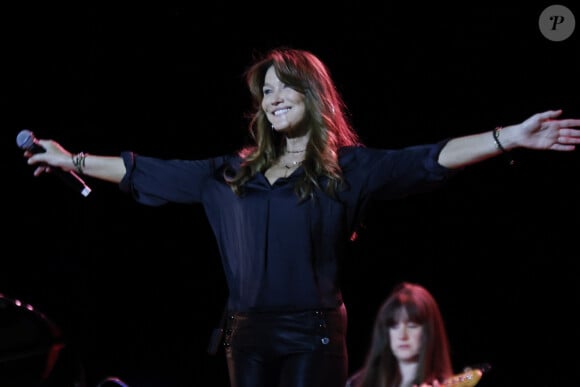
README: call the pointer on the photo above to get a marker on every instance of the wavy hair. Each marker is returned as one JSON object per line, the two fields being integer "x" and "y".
{"x": 326, "y": 119}
{"x": 381, "y": 367}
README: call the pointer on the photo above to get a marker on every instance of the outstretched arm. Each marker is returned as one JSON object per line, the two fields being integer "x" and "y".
{"x": 108, "y": 168}
{"x": 541, "y": 131}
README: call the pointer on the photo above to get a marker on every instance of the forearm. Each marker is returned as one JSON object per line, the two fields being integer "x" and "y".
{"x": 108, "y": 168}
{"x": 466, "y": 150}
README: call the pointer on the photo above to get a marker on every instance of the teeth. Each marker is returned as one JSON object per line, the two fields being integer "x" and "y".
{"x": 280, "y": 112}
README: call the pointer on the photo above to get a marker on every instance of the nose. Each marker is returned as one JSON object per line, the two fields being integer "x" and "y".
{"x": 275, "y": 98}
{"x": 403, "y": 332}
{"x": 277, "y": 101}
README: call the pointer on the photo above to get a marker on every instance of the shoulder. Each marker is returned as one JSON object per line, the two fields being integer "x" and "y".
{"x": 349, "y": 154}
{"x": 353, "y": 157}
{"x": 231, "y": 160}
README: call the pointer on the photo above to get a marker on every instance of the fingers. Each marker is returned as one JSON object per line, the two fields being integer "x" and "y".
{"x": 569, "y": 123}
{"x": 33, "y": 159}
{"x": 549, "y": 114}
{"x": 46, "y": 144}
{"x": 569, "y": 134}
{"x": 41, "y": 169}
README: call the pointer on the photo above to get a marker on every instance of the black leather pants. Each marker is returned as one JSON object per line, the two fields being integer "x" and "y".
{"x": 296, "y": 349}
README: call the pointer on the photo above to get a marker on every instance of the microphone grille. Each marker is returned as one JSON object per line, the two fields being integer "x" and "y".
{"x": 25, "y": 139}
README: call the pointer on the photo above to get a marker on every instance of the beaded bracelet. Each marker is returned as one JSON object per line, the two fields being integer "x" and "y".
{"x": 78, "y": 161}
{"x": 496, "y": 139}
{"x": 498, "y": 144}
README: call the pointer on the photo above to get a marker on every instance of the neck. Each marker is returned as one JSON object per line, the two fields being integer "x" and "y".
{"x": 296, "y": 144}
{"x": 408, "y": 372}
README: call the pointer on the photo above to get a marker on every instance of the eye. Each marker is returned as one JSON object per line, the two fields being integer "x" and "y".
{"x": 394, "y": 326}
{"x": 266, "y": 91}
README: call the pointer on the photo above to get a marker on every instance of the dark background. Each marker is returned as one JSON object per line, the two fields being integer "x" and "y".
{"x": 136, "y": 290}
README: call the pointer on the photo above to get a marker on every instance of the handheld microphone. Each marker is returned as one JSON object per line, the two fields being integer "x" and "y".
{"x": 26, "y": 140}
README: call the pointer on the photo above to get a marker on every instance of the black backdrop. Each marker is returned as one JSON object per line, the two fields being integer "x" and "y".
{"x": 136, "y": 290}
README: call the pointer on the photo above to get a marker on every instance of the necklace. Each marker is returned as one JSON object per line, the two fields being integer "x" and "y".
{"x": 292, "y": 164}
{"x": 289, "y": 166}
{"x": 299, "y": 151}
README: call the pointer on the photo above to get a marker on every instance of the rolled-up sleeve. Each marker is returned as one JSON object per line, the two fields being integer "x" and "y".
{"x": 392, "y": 173}
{"x": 154, "y": 182}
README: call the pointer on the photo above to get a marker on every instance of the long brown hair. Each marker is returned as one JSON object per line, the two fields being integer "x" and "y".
{"x": 381, "y": 367}
{"x": 326, "y": 119}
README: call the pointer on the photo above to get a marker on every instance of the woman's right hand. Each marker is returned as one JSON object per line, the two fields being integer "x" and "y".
{"x": 55, "y": 156}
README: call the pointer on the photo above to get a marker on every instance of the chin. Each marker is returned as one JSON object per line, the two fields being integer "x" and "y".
{"x": 280, "y": 126}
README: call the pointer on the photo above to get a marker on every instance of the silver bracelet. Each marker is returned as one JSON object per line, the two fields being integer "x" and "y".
{"x": 78, "y": 161}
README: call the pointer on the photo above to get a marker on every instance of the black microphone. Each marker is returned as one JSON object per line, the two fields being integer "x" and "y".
{"x": 26, "y": 140}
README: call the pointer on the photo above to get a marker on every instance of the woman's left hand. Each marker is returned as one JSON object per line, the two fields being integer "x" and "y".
{"x": 544, "y": 131}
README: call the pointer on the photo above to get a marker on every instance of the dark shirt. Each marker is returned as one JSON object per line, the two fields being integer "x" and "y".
{"x": 279, "y": 253}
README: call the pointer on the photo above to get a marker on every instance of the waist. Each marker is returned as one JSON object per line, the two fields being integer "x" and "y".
{"x": 267, "y": 313}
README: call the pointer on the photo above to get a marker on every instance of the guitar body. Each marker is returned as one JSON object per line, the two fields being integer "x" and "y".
{"x": 468, "y": 378}
{"x": 465, "y": 379}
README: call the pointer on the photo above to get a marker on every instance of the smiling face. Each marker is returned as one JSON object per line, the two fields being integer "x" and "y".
{"x": 283, "y": 105}
{"x": 405, "y": 337}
